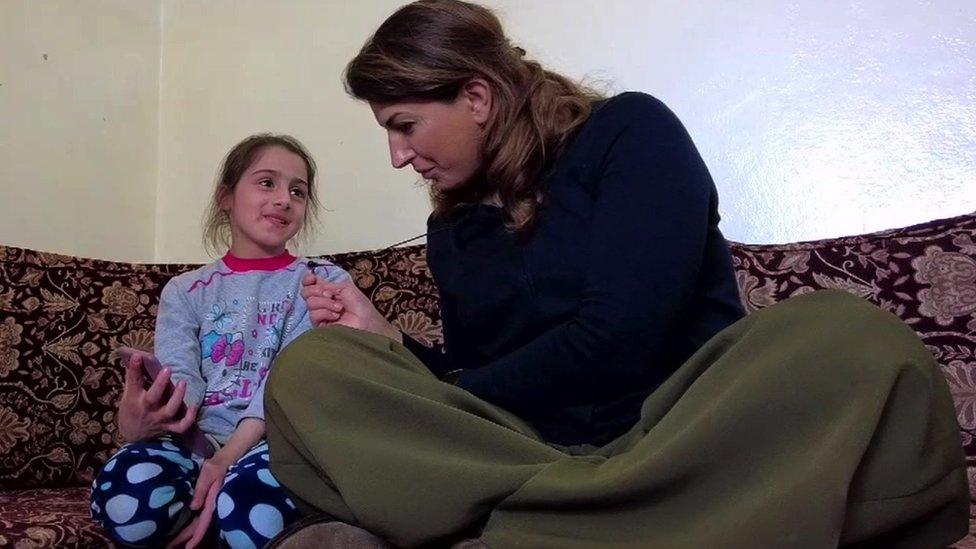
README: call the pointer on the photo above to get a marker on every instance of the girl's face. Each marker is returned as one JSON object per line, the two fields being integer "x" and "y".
{"x": 442, "y": 141}
{"x": 267, "y": 206}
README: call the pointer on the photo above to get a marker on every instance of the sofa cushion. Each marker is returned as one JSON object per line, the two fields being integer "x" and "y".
{"x": 55, "y": 517}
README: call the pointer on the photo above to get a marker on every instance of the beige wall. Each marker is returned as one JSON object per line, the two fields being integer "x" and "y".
{"x": 79, "y": 88}
{"x": 816, "y": 119}
{"x": 232, "y": 68}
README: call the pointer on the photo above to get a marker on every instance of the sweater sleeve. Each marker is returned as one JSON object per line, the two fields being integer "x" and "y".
{"x": 648, "y": 233}
{"x": 178, "y": 341}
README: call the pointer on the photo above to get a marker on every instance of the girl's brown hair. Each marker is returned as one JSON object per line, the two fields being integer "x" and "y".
{"x": 429, "y": 49}
{"x": 216, "y": 225}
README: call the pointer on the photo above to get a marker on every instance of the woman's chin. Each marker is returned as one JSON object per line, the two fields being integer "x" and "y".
{"x": 440, "y": 185}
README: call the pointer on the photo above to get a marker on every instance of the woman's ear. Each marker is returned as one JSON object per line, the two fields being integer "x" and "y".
{"x": 477, "y": 93}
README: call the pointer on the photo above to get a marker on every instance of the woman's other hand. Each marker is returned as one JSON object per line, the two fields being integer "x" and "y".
{"x": 147, "y": 413}
{"x": 342, "y": 303}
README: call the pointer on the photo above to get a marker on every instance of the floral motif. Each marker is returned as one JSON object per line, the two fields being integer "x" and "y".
{"x": 55, "y": 260}
{"x": 795, "y": 261}
{"x": 753, "y": 296}
{"x": 38, "y": 536}
{"x": 362, "y": 272}
{"x": 12, "y": 429}
{"x": 418, "y": 326}
{"x": 965, "y": 244}
{"x": 92, "y": 377}
{"x": 870, "y": 250}
{"x": 9, "y": 336}
{"x": 952, "y": 280}
{"x": 7, "y": 301}
{"x": 846, "y": 284}
{"x": 961, "y": 376}
{"x": 139, "y": 339}
{"x": 84, "y": 427}
{"x": 385, "y": 293}
{"x": 120, "y": 300}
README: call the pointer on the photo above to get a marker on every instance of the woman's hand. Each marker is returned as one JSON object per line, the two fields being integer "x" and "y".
{"x": 204, "y": 500}
{"x": 343, "y": 303}
{"x": 147, "y": 413}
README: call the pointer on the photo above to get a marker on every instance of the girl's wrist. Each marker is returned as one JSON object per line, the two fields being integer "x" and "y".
{"x": 223, "y": 457}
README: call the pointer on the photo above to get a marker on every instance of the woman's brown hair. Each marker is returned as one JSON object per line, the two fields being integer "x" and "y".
{"x": 427, "y": 50}
{"x": 216, "y": 224}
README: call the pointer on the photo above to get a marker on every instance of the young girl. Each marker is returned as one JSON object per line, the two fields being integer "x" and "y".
{"x": 217, "y": 332}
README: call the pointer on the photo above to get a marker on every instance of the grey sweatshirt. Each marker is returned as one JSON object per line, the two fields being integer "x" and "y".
{"x": 220, "y": 327}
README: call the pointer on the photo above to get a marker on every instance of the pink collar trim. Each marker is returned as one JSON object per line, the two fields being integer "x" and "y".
{"x": 242, "y": 265}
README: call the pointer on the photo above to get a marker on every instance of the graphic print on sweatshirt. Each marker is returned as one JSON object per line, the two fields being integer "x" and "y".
{"x": 246, "y": 335}
{"x": 220, "y": 328}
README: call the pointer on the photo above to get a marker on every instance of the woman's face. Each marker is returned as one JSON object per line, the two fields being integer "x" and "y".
{"x": 442, "y": 141}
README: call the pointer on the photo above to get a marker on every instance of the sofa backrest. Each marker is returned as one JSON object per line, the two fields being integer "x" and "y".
{"x": 61, "y": 318}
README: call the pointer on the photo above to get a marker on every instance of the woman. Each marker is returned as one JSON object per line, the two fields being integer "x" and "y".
{"x": 598, "y": 387}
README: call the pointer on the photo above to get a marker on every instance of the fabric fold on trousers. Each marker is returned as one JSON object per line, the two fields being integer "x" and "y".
{"x": 816, "y": 422}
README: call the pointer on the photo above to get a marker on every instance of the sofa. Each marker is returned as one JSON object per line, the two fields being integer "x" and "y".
{"x": 61, "y": 317}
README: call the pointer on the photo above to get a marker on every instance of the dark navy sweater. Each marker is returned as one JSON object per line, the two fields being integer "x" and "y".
{"x": 624, "y": 276}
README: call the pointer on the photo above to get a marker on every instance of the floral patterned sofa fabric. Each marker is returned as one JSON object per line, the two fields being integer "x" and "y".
{"x": 51, "y": 517}
{"x": 399, "y": 284}
{"x": 61, "y": 318}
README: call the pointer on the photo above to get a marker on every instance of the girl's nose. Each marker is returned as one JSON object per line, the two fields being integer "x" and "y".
{"x": 283, "y": 198}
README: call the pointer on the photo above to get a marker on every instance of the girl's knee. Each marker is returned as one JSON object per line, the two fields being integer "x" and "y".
{"x": 142, "y": 494}
{"x": 252, "y": 508}
{"x": 253, "y": 522}
{"x": 142, "y": 516}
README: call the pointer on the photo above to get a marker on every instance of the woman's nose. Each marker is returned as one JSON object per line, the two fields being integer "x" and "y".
{"x": 400, "y": 155}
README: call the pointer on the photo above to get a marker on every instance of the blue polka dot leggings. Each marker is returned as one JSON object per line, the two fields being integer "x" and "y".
{"x": 143, "y": 493}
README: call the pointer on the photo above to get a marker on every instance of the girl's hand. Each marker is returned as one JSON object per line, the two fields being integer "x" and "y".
{"x": 343, "y": 303}
{"x": 147, "y": 413}
{"x": 209, "y": 483}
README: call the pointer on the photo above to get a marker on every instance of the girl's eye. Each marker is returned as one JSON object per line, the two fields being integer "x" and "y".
{"x": 405, "y": 128}
{"x": 298, "y": 192}
{"x": 266, "y": 183}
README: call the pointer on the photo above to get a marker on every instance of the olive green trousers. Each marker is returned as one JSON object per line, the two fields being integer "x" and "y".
{"x": 817, "y": 422}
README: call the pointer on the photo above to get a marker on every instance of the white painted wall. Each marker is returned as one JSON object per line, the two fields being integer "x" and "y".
{"x": 817, "y": 118}
{"x": 79, "y": 86}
